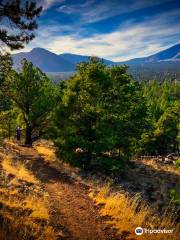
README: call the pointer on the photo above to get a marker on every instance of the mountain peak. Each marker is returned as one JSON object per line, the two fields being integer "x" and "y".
{"x": 40, "y": 50}
{"x": 44, "y": 59}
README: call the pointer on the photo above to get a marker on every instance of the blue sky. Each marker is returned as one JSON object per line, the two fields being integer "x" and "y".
{"x": 113, "y": 29}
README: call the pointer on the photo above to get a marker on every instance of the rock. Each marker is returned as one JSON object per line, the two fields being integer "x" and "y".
{"x": 171, "y": 155}
{"x": 168, "y": 161}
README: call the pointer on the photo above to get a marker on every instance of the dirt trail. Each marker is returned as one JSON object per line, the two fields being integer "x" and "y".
{"x": 71, "y": 208}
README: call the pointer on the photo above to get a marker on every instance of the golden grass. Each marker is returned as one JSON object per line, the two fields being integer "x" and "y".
{"x": 39, "y": 207}
{"x": 2, "y": 155}
{"x": 130, "y": 212}
{"x": 18, "y": 170}
{"x": 17, "y": 197}
{"x": 161, "y": 167}
{"x": 50, "y": 234}
{"x": 11, "y": 202}
{"x": 26, "y": 226}
{"x": 48, "y": 153}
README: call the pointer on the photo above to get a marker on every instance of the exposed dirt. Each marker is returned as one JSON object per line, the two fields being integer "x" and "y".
{"x": 72, "y": 210}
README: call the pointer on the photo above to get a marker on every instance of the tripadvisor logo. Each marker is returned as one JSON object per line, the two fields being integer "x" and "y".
{"x": 139, "y": 231}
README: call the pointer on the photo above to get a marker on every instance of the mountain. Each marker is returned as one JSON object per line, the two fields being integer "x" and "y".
{"x": 170, "y": 54}
{"x": 74, "y": 58}
{"x": 161, "y": 64}
{"x": 45, "y": 60}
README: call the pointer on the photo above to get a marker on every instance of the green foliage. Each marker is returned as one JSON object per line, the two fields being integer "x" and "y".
{"x": 178, "y": 163}
{"x": 100, "y": 115}
{"x": 5, "y": 68}
{"x": 33, "y": 93}
{"x": 9, "y": 120}
{"x": 21, "y": 17}
{"x": 175, "y": 196}
{"x": 162, "y": 133}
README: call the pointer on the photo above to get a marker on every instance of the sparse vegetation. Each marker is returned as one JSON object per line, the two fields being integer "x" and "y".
{"x": 46, "y": 150}
{"x": 24, "y": 204}
{"x": 17, "y": 169}
{"x": 129, "y": 212}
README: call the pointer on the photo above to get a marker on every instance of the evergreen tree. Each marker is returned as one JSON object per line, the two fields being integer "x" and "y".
{"x": 33, "y": 93}
{"x": 99, "y": 115}
{"x": 161, "y": 134}
{"x": 5, "y": 68}
{"x": 17, "y": 22}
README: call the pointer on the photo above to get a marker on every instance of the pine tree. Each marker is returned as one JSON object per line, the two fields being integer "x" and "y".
{"x": 33, "y": 94}
{"x": 17, "y": 22}
{"x": 99, "y": 116}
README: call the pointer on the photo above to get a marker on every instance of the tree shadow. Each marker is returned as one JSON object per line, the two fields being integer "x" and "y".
{"x": 45, "y": 172}
{"x": 153, "y": 184}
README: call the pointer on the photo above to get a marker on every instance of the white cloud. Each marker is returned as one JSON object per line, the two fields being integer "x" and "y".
{"x": 94, "y": 11}
{"x": 128, "y": 41}
{"x": 49, "y": 3}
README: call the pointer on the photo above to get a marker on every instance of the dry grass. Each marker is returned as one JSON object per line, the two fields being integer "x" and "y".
{"x": 24, "y": 204}
{"x": 48, "y": 153}
{"x": 39, "y": 206}
{"x": 160, "y": 166}
{"x": 130, "y": 212}
{"x": 18, "y": 170}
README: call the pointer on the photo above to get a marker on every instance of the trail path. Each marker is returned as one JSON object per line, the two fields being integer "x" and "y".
{"x": 71, "y": 208}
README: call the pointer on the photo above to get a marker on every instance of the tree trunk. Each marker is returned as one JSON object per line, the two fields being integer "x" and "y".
{"x": 88, "y": 160}
{"x": 28, "y": 137}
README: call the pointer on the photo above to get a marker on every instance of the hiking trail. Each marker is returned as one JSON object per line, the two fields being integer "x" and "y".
{"x": 71, "y": 209}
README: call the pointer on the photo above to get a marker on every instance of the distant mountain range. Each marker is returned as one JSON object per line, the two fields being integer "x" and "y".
{"x": 170, "y": 54}
{"x": 51, "y": 62}
{"x": 164, "y": 62}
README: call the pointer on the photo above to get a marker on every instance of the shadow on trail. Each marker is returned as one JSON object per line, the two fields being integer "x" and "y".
{"x": 45, "y": 172}
{"x": 154, "y": 185}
